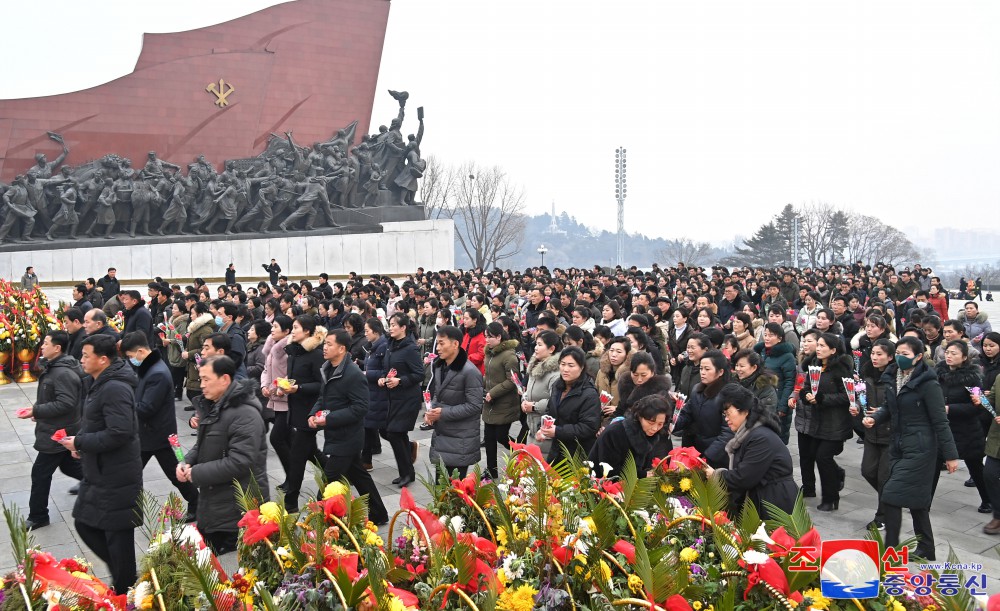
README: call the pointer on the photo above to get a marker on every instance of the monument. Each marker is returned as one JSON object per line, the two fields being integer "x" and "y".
{"x": 277, "y": 144}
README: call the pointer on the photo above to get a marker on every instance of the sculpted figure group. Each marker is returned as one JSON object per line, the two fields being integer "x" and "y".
{"x": 301, "y": 185}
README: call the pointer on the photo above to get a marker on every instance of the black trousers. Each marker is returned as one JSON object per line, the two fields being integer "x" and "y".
{"x": 402, "y": 451}
{"x": 168, "y": 464}
{"x": 921, "y": 528}
{"x": 495, "y": 435}
{"x": 221, "y": 541}
{"x": 522, "y": 436}
{"x": 177, "y": 374}
{"x": 462, "y": 471}
{"x": 373, "y": 444}
{"x": 281, "y": 440}
{"x": 830, "y": 472}
{"x": 41, "y": 480}
{"x": 991, "y": 478}
{"x": 875, "y": 470}
{"x": 807, "y": 461}
{"x": 303, "y": 450}
{"x": 116, "y": 548}
{"x": 337, "y": 468}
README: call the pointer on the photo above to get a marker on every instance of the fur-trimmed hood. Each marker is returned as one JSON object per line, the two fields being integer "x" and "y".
{"x": 502, "y": 347}
{"x": 310, "y": 343}
{"x": 963, "y": 376}
{"x": 760, "y": 379}
{"x": 630, "y": 393}
{"x": 606, "y": 367}
{"x": 544, "y": 367}
{"x": 201, "y": 321}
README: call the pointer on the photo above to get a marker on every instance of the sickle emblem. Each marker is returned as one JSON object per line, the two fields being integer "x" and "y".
{"x": 221, "y": 93}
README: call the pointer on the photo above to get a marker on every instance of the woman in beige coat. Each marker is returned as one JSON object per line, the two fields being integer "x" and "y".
{"x": 543, "y": 371}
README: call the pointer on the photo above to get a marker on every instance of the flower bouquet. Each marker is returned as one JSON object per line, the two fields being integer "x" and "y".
{"x": 800, "y": 383}
{"x": 815, "y": 371}
{"x": 975, "y": 391}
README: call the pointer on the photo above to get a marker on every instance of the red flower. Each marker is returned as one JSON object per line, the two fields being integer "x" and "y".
{"x": 768, "y": 572}
{"x": 678, "y": 603}
{"x": 255, "y": 531}
{"x": 348, "y": 563}
{"x": 611, "y": 488}
{"x": 466, "y": 488}
{"x": 335, "y": 505}
{"x": 430, "y": 521}
{"x": 486, "y": 548}
{"x": 686, "y": 457}
{"x": 722, "y": 518}
{"x": 625, "y": 549}
{"x": 783, "y": 542}
{"x": 993, "y": 604}
{"x": 562, "y": 554}
{"x": 532, "y": 450}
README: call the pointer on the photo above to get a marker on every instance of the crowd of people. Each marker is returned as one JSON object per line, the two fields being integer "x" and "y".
{"x": 606, "y": 363}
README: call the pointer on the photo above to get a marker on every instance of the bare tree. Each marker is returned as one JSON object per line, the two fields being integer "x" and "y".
{"x": 686, "y": 250}
{"x": 436, "y": 188}
{"x": 870, "y": 241}
{"x": 488, "y": 212}
{"x": 823, "y": 234}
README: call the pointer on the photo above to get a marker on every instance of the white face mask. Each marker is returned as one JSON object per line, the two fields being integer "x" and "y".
{"x": 922, "y": 305}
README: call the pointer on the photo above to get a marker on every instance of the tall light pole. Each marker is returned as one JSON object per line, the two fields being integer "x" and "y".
{"x": 542, "y": 250}
{"x": 620, "y": 191}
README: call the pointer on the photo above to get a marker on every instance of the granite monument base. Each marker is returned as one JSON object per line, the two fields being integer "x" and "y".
{"x": 385, "y": 248}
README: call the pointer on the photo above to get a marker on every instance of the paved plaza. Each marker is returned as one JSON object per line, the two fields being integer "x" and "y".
{"x": 954, "y": 516}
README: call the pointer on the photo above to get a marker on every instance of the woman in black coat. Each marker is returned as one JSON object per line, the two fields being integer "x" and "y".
{"x": 700, "y": 423}
{"x": 919, "y": 434}
{"x": 760, "y": 466}
{"x": 956, "y": 375}
{"x": 355, "y": 325}
{"x": 305, "y": 361}
{"x": 378, "y": 397}
{"x": 575, "y": 406}
{"x": 832, "y": 416}
{"x": 642, "y": 382}
{"x": 641, "y": 433}
{"x": 404, "y": 394}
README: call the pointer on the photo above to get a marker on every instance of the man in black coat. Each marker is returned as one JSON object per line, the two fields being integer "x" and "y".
{"x": 57, "y": 406}
{"x": 845, "y": 317}
{"x": 74, "y": 326}
{"x": 109, "y": 285}
{"x": 80, "y": 297}
{"x": 137, "y": 317}
{"x": 106, "y": 511}
{"x": 95, "y": 322}
{"x": 231, "y": 275}
{"x": 154, "y": 406}
{"x": 237, "y": 337}
{"x": 231, "y": 446}
{"x": 272, "y": 271}
{"x": 341, "y": 411}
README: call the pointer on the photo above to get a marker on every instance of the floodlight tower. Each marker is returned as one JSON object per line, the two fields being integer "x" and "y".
{"x": 620, "y": 191}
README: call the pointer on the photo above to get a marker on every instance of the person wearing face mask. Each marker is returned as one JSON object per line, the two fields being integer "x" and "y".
{"x": 919, "y": 436}
{"x": 641, "y": 433}
{"x": 154, "y": 408}
{"x": 760, "y": 466}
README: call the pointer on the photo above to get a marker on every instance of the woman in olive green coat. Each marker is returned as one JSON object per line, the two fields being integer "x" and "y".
{"x": 502, "y": 405}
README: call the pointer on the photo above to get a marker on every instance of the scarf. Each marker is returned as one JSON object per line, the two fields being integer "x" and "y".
{"x": 734, "y": 444}
{"x": 902, "y": 379}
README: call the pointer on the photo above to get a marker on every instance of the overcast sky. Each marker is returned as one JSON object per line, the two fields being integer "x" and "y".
{"x": 728, "y": 109}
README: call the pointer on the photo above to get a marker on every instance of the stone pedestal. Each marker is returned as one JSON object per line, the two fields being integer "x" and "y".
{"x": 386, "y": 248}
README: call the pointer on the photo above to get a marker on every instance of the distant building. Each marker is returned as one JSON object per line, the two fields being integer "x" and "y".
{"x": 553, "y": 225}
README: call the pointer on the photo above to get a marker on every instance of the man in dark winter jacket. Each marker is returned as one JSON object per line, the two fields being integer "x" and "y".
{"x": 137, "y": 317}
{"x": 74, "y": 326}
{"x": 231, "y": 446}
{"x": 457, "y": 399}
{"x": 106, "y": 511}
{"x": 154, "y": 406}
{"x": 109, "y": 285}
{"x": 340, "y": 412}
{"x": 95, "y": 322}
{"x": 272, "y": 271}
{"x": 57, "y": 406}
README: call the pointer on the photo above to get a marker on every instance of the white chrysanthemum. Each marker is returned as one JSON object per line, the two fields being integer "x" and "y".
{"x": 140, "y": 592}
{"x": 754, "y": 557}
{"x": 203, "y": 557}
{"x": 457, "y": 523}
{"x": 509, "y": 568}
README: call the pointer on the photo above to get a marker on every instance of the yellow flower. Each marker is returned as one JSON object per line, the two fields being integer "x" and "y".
{"x": 587, "y": 525}
{"x": 147, "y": 602}
{"x": 521, "y": 598}
{"x": 396, "y": 603}
{"x": 688, "y": 555}
{"x": 373, "y": 539}
{"x": 896, "y": 605}
{"x": 666, "y": 488}
{"x": 818, "y": 601}
{"x": 685, "y": 484}
{"x": 335, "y": 489}
{"x": 605, "y": 571}
{"x": 696, "y": 605}
{"x": 270, "y": 512}
{"x": 635, "y": 583}
{"x": 502, "y": 536}
{"x": 502, "y": 576}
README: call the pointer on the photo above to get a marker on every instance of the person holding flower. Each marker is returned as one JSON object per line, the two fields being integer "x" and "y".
{"x": 500, "y": 408}
{"x": 641, "y": 433}
{"x": 574, "y": 406}
{"x": 700, "y": 423}
{"x": 760, "y": 465}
